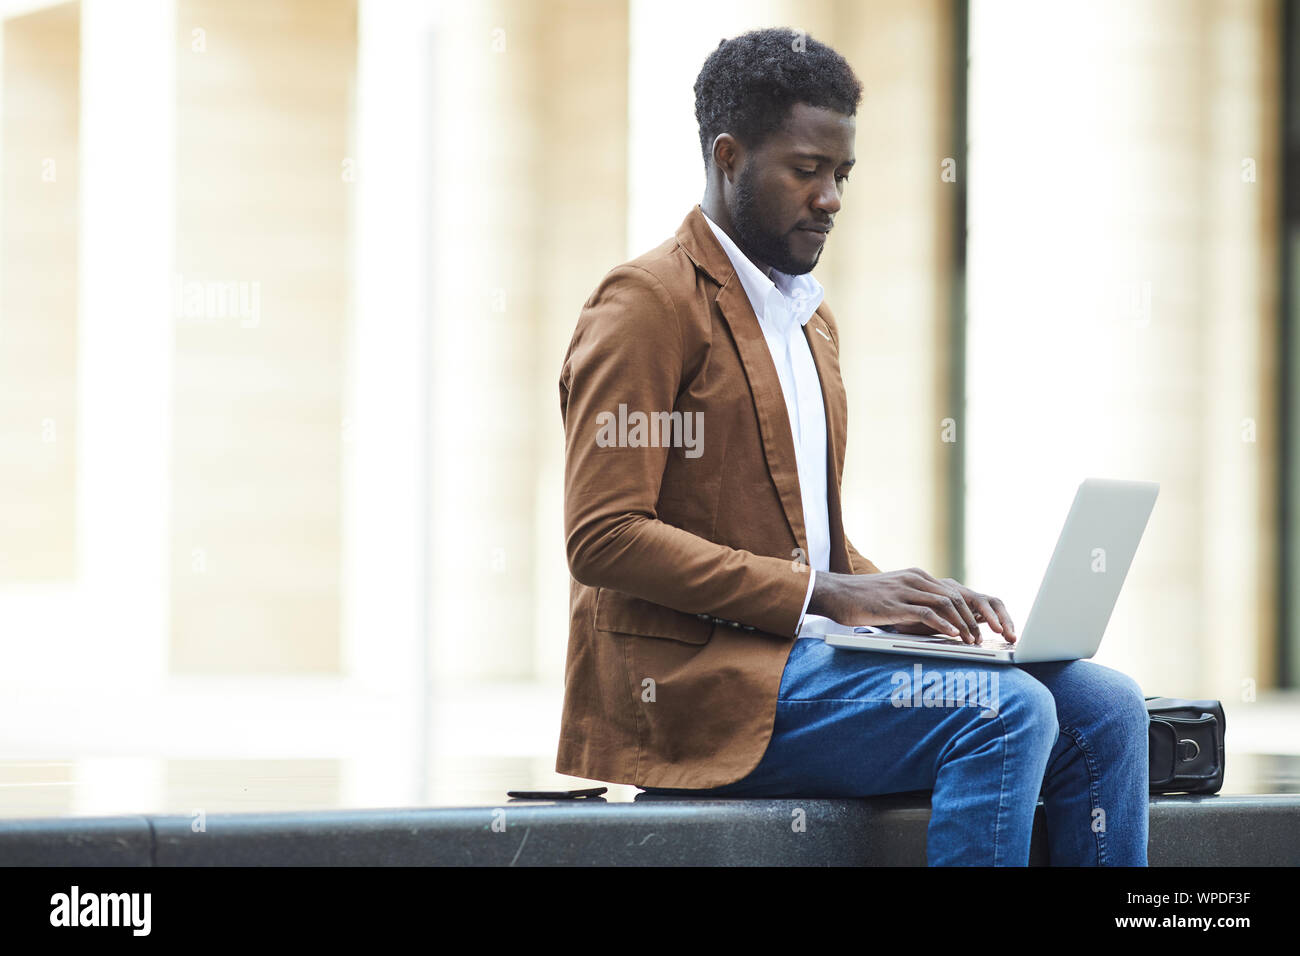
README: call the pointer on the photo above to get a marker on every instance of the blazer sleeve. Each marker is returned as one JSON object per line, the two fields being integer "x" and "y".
{"x": 860, "y": 564}
{"x": 628, "y": 349}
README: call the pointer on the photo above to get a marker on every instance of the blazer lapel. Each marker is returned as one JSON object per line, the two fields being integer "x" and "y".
{"x": 702, "y": 246}
{"x": 769, "y": 402}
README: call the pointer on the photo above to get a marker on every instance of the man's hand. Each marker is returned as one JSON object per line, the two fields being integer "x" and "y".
{"x": 913, "y": 601}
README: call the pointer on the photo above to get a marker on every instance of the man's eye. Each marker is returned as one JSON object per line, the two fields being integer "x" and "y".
{"x": 813, "y": 172}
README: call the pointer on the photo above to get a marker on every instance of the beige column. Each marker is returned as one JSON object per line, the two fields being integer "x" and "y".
{"x": 1241, "y": 80}
{"x": 39, "y": 215}
{"x": 483, "y": 287}
{"x": 887, "y": 272}
{"x": 529, "y": 103}
{"x": 582, "y": 209}
{"x": 1124, "y": 167}
{"x": 261, "y": 281}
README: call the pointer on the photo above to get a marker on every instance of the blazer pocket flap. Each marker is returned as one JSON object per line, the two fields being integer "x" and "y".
{"x": 624, "y": 614}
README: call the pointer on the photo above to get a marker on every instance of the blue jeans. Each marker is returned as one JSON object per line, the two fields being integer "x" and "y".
{"x": 987, "y": 739}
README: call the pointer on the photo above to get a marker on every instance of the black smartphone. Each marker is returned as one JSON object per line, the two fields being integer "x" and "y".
{"x": 556, "y": 794}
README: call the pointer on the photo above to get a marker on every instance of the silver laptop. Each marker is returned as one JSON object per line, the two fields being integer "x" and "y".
{"x": 1075, "y": 600}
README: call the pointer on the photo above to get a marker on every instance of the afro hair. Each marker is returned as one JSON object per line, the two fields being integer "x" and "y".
{"x": 749, "y": 84}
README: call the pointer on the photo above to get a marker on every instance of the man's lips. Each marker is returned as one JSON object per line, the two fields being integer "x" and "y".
{"x": 815, "y": 234}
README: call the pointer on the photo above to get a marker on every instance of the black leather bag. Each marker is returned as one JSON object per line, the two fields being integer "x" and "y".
{"x": 1186, "y": 738}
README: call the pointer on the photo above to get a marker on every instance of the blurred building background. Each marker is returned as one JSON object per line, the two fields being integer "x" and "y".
{"x": 285, "y": 286}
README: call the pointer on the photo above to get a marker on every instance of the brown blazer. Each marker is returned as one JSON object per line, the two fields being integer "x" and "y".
{"x": 686, "y": 562}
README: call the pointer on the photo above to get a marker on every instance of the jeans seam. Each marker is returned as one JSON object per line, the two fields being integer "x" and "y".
{"x": 875, "y": 700}
{"x": 1002, "y": 791}
{"x": 834, "y": 700}
{"x": 1081, "y": 742}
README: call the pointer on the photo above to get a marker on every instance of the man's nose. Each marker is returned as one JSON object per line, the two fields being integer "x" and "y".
{"x": 827, "y": 200}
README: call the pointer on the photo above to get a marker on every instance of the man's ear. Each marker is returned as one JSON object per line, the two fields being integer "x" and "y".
{"x": 728, "y": 155}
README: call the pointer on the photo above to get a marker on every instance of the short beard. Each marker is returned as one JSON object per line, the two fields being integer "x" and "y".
{"x": 754, "y": 239}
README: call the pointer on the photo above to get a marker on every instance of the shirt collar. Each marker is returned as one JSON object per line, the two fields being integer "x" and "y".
{"x": 797, "y": 297}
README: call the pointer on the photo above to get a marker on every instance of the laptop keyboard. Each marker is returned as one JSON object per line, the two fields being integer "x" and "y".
{"x": 941, "y": 639}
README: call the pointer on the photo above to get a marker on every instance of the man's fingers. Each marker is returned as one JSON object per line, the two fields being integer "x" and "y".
{"x": 949, "y": 610}
{"x": 964, "y": 616}
{"x": 1008, "y": 625}
{"x": 961, "y": 598}
{"x": 994, "y": 612}
{"x": 933, "y": 620}
{"x": 990, "y": 615}
{"x": 962, "y": 606}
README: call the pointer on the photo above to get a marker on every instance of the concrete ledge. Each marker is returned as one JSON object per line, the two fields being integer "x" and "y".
{"x": 656, "y": 831}
{"x": 77, "y": 841}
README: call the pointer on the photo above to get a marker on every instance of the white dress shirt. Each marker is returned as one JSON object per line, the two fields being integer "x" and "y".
{"x": 784, "y": 304}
